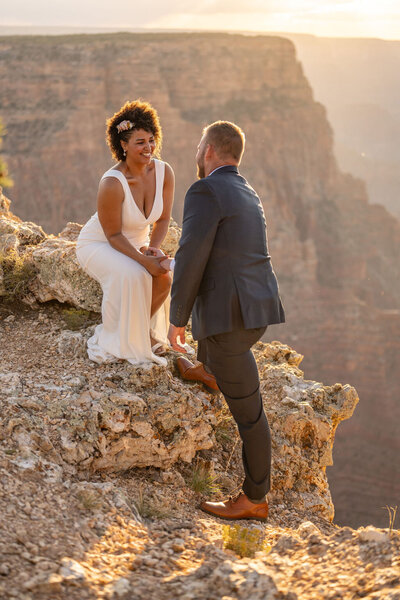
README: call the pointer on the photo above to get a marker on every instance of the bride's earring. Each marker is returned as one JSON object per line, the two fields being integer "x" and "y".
{"x": 124, "y": 153}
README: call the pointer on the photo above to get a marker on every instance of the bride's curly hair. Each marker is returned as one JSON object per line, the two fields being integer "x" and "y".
{"x": 143, "y": 116}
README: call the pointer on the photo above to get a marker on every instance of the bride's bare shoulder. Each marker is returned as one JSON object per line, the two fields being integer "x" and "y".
{"x": 110, "y": 185}
{"x": 169, "y": 172}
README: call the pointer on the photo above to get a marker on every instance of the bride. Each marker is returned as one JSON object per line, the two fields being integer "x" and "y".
{"x": 116, "y": 248}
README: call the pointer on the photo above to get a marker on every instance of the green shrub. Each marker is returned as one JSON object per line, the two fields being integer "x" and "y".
{"x": 245, "y": 542}
{"x": 75, "y": 318}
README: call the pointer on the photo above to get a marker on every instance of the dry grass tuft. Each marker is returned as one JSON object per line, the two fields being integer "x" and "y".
{"x": 392, "y": 512}
{"x": 203, "y": 481}
{"x": 151, "y": 508}
{"x": 89, "y": 500}
{"x": 18, "y": 272}
{"x": 224, "y": 429}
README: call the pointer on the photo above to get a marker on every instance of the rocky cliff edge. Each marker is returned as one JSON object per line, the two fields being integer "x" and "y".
{"x": 102, "y": 467}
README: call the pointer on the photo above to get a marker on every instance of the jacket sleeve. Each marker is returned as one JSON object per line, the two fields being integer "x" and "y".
{"x": 201, "y": 217}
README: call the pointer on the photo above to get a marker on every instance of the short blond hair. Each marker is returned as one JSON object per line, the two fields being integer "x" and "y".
{"x": 227, "y": 138}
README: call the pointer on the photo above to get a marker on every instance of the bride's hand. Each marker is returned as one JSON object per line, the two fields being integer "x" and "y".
{"x": 152, "y": 264}
{"x": 155, "y": 252}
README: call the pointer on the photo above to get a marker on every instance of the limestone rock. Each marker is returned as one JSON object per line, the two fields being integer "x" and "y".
{"x": 71, "y": 343}
{"x": 44, "y": 584}
{"x": 72, "y": 528}
{"x": 119, "y": 588}
{"x": 307, "y": 529}
{"x": 286, "y": 542}
{"x": 10, "y": 383}
{"x": 56, "y": 273}
{"x": 145, "y": 416}
{"x": 70, "y": 232}
{"x": 152, "y": 419}
{"x": 371, "y": 534}
{"x": 158, "y": 426}
{"x": 171, "y": 241}
{"x": 303, "y": 416}
{"x": 27, "y": 233}
{"x": 60, "y": 277}
{"x": 240, "y": 580}
{"x": 72, "y": 571}
{"x": 4, "y": 204}
{"x": 8, "y": 243}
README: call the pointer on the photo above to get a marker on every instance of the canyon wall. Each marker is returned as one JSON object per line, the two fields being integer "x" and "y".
{"x": 356, "y": 80}
{"x": 336, "y": 256}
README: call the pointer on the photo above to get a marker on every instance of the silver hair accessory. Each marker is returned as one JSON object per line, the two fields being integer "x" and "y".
{"x": 124, "y": 126}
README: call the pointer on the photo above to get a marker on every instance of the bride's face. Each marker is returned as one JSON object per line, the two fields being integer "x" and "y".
{"x": 140, "y": 146}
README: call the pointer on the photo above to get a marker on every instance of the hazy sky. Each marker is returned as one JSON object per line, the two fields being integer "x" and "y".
{"x": 350, "y": 18}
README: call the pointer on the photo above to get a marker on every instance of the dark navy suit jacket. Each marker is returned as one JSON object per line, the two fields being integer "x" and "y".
{"x": 223, "y": 272}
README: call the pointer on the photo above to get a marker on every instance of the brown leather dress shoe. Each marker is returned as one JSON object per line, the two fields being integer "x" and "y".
{"x": 236, "y": 508}
{"x": 193, "y": 372}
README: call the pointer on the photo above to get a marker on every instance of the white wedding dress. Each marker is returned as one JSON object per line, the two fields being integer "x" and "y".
{"x": 127, "y": 286}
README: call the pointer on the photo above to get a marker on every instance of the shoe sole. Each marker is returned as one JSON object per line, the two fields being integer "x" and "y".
{"x": 262, "y": 519}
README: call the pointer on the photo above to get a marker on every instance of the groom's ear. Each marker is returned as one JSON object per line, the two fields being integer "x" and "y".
{"x": 210, "y": 151}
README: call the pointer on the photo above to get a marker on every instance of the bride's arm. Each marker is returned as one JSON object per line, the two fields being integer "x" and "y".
{"x": 109, "y": 210}
{"x": 160, "y": 227}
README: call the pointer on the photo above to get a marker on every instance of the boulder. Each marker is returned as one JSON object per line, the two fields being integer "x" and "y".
{"x": 56, "y": 273}
{"x": 60, "y": 277}
{"x": 303, "y": 416}
{"x": 4, "y": 205}
{"x": 151, "y": 418}
{"x": 27, "y": 233}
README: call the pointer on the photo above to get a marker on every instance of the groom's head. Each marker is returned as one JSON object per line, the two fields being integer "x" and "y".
{"x": 222, "y": 143}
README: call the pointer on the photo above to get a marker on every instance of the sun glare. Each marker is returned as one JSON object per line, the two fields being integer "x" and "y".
{"x": 343, "y": 18}
{"x": 339, "y": 18}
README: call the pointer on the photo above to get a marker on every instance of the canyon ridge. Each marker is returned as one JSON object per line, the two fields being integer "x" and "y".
{"x": 336, "y": 255}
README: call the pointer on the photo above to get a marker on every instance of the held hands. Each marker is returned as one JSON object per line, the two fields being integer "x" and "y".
{"x": 150, "y": 251}
{"x": 152, "y": 264}
{"x": 154, "y": 256}
{"x": 167, "y": 263}
{"x": 173, "y": 334}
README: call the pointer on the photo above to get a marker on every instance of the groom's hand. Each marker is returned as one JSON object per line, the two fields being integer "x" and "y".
{"x": 175, "y": 332}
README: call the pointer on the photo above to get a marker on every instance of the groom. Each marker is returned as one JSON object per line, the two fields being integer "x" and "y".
{"x": 223, "y": 272}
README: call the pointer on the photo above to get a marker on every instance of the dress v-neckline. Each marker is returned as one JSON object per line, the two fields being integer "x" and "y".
{"x": 133, "y": 199}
